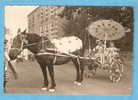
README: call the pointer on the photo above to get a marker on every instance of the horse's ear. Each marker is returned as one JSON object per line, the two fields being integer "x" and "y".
{"x": 19, "y": 30}
{"x": 24, "y": 32}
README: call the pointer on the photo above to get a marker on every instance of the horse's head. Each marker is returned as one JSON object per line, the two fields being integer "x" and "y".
{"x": 17, "y": 46}
{"x": 24, "y": 40}
{"x": 31, "y": 41}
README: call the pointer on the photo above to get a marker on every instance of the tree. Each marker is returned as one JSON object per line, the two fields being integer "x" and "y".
{"x": 81, "y": 17}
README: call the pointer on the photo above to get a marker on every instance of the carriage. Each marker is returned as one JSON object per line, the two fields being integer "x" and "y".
{"x": 109, "y": 59}
{"x": 113, "y": 63}
{"x": 58, "y": 52}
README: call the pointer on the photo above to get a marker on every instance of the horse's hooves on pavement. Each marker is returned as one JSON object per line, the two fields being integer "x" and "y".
{"x": 44, "y": 88}
{"x": 77, "y": 83}
{"x": 51, "y": 90}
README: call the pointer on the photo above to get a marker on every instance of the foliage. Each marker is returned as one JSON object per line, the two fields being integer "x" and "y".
{"x": 79, "y": 18}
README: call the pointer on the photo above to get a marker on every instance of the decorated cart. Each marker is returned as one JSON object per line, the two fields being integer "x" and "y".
{"x": 109, "y": 57}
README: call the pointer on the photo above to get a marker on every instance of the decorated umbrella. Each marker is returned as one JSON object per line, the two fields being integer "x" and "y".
{"x": 106, "y": 30}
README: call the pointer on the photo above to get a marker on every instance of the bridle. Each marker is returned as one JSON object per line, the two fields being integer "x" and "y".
{"x": 24, "y": 43}
{"x": 21, "y": 47}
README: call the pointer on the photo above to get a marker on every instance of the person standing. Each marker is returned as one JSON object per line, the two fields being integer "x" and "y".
{"x": 6, "y": 59}
{"x": 7, "y": 65}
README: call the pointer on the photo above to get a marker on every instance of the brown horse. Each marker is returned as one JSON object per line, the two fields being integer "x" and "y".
{"x": 33, "y": 42}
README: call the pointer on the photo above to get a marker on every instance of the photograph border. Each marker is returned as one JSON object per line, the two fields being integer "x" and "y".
{"x": 132, "y": 3}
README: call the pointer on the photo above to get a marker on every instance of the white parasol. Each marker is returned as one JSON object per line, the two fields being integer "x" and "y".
{"x": 106, "y": 30}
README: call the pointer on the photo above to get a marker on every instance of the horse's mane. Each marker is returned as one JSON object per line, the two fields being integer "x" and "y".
{"x": 33, "y": 37}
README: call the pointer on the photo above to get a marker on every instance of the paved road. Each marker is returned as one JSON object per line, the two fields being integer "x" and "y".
{"x": 30, "y": 81}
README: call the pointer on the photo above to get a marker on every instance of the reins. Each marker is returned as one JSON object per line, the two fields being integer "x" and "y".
{"x": 31, "y": 44}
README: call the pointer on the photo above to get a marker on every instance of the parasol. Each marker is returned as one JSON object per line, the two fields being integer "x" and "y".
{"x": 106, "y": 30}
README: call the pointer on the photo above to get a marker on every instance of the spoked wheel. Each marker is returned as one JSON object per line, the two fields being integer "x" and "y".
{"x": 116, "y": 71}
{"x": 91, "y": 69}
{"x": 89, "y": 73}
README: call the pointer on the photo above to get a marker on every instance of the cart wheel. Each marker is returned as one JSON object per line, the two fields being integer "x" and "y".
{"x": 90, "y": 71}
{"x": 116, "y": 71}
{"x": 90, "y": 74}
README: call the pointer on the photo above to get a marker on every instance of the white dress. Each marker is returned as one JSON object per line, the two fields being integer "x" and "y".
{"x": 99, "y": 53}
{"x": 112, "y": 53}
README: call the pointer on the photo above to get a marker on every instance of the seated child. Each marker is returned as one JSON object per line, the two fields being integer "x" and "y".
{"x": 99, "y": 50}
{"x": 112, "y": 51}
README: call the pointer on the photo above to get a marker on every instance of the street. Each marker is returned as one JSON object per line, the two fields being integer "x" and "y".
{"x": 30, "y": 81}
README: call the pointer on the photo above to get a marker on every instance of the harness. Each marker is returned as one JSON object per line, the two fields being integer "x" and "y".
{"x": 21, "y": 47}
{"x": 55, "y": 54}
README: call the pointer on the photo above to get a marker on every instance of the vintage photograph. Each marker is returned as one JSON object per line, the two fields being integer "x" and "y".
{"x": 72, "y": 50}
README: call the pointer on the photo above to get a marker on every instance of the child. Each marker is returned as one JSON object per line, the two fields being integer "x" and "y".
{"x": 99, "y": 50}
{"x": 112, "y": 51}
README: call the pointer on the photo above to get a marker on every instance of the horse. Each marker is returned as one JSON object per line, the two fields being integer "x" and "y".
{"x": 33, "y": 42}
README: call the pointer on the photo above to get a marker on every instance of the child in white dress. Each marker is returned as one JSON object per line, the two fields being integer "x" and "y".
{"x": 112, "y": 51}
{"x": 99, "y": 50}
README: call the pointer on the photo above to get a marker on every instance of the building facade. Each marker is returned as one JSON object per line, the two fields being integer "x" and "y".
{"x": 45, "y": 21}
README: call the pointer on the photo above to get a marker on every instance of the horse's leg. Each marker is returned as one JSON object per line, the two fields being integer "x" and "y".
{"x": 81, "y": 71}
{"x": 77, "y": 66}
{"x": 44, "y": 71}
{"x": 51, "y": 73}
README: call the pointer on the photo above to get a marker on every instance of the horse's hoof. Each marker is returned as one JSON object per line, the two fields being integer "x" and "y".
{"x": 51, "y": 90}
{"x": 44, "y": 88}
{"x": 77, "y": 83}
